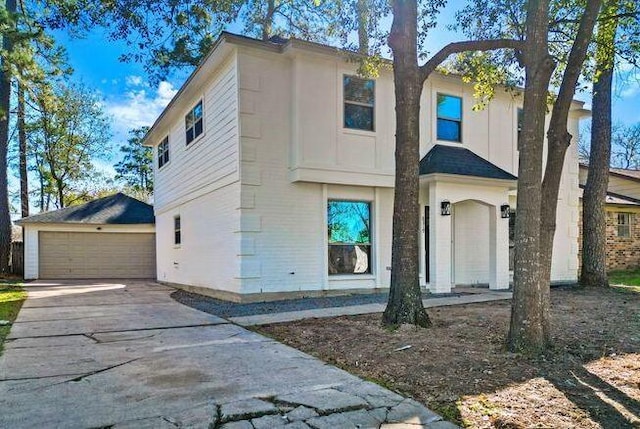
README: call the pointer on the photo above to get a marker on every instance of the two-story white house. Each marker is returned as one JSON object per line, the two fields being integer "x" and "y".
{"x": 274, "y": 175}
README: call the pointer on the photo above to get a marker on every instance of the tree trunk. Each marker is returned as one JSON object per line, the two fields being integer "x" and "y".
{"x": 363, "y": 26}
{"x": 267, "y": 25}
{"x": 559, "y": 139}
{"x": 594, "y": 217}
{"x": 22, "y": 155}
{"x": 5, "y": 104}
{"x": 405, "y": 297}
{"x": 528, "y": 314}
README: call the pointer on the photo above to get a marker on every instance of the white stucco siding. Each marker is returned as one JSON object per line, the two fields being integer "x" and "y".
{"x": 322, "y": 149}
{"x": 31, "y": 240}
{"x": 210, "y": 243}
{"x": 211, "y": 160}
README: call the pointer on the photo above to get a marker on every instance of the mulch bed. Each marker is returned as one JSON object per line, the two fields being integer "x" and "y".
{"x": 232, "y": 309}
{"x": 461, "y": 369}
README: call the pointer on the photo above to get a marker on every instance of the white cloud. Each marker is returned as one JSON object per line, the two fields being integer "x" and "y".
{"x": 630, "y": 91}
{"x": 133, "y": 80}
{"x": 137, "y": 108}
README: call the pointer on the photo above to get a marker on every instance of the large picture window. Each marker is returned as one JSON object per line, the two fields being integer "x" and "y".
{"x": 349, "y": 231}
{"x": 359, "y": 102}
{"x": 193, "y": 123}
{"x": 449, "y": 118}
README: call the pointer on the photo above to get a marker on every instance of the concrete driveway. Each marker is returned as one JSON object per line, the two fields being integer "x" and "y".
{"x": 106, "y": 354}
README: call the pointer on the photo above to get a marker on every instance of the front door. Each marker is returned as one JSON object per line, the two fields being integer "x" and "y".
{"x": 426, "y": 244}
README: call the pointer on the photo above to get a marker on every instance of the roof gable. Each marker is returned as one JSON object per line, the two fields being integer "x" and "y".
{"x": 114, "y": 209}
{"x": 460, "y": 161}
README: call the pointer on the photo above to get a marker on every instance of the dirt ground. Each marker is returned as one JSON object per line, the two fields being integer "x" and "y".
{"x": 461, "y": 369}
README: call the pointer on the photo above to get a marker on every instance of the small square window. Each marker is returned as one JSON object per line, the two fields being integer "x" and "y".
{"x": 449, "y": 120}
{"x": 177, "y": 232}
{"x": 624, "y": 225}
{"x": 163, "y": 152}
{"x": 359, "y": 102}
{"x": 193, "y": 123}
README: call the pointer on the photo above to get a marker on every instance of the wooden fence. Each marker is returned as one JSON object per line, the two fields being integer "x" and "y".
{"x": 17, "y": 258}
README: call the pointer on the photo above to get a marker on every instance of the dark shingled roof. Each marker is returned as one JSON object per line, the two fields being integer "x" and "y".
{"x": 114, "y": 209}
{"x": 458, "y": 160}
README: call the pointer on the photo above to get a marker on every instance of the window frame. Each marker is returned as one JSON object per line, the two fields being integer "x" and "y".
{"x": 450, "y": 119}
{"x": 372, "y": 106}
{"x": 163, "y": 157}
{"x": 370, "y": 244}
{"x": 624, "y": 225}
{"x": 188, "y": 128}
{"x": 177, "y": 231}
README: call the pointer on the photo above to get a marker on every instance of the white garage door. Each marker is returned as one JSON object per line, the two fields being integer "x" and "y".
{"x": 89, "y": 255}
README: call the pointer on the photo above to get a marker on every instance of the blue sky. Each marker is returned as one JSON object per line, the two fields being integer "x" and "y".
{"x": 132, "y": 102}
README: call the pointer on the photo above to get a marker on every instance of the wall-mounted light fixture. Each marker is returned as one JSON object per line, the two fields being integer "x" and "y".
{"x": 445, "y": 208}
{"x": 504, "y": 211}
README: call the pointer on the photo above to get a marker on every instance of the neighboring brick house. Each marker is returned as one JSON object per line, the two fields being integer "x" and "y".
{"x": 623, "y": 218}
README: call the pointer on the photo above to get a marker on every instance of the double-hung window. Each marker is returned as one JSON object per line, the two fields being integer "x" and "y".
{"x": 449, "y": 123}
{"x": 349, "y": 233}
{"x": 177, "y": 231}
{"x": 359, "y": 102}
{"x": 193, "y": 123}
{"x": 163, "y": 152}
{"x": 624, "y": 225}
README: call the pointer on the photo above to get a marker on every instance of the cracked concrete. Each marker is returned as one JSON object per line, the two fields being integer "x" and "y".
{"x": 125, "y": 355}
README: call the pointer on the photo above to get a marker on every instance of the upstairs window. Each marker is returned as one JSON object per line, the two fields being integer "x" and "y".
{"x": 193, "y": 123}
{"x": 624, "y": 225}
{"x": 177, "y": 231}
{"x": 163, "y": 152}
{"x": 349, "y": 233}
{"x": 359, "y": 102}
{"x": 449, "y": 118}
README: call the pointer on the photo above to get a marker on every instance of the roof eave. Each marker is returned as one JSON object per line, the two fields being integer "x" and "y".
{"x": 512, "y": 184}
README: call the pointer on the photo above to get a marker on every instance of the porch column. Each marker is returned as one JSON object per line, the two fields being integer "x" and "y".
{"x": 439, "y": 242}
{"x": 498, "y": 250}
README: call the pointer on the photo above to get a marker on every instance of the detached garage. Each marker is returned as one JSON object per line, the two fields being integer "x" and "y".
{"x": 112, "y": 237}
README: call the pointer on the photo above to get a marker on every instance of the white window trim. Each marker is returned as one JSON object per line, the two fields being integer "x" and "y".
{"x": 461, "y": 120}
{"x": 344, "y": 101}
{"x": 204, "y": 130}
{"x": 164, "y": 164}
{"x": 177, "y": 245}
{"x": 628, "y": 216}
{"x": 372, "y": 275}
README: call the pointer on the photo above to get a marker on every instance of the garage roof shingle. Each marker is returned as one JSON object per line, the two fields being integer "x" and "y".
{"x": 114, "y": 209}
{"x": 461, "y": 161}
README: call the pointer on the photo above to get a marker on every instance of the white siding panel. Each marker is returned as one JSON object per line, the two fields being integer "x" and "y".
{"x": 196, "y": 169}
{"x": 207, "y": 256}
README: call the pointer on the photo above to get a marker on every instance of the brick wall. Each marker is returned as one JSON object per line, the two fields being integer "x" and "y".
{"x": 623, "y": 253}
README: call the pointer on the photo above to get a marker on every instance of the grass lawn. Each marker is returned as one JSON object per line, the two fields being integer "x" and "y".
{"x": 461, "y": 369}
{"x": 626, "y": 278}
{"x": 11, "y": 298}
